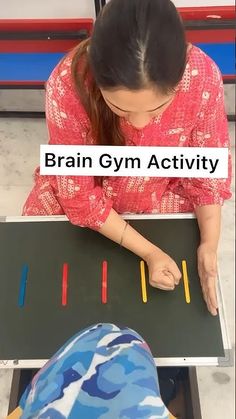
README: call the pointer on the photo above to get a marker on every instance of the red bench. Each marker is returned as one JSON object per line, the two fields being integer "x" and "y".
{"x": 30, "y": 49}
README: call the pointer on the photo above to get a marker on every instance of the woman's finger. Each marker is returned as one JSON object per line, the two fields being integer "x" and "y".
{"x": 160, "y": 279}
{"x": 166, "y": 278}
{"x": 161, "y": 286}
{"x": 165, "y": 288}
{"x": 209, "y": 295}
{"x": 173, "y": 268}
{"x": 205, "y": 293}
{"x": 211, "y": 308}
{"x": 169, "y": 275}
{"x": 212, "y": 297}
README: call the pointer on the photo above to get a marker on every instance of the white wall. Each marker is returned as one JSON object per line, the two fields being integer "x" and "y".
{"x": 39, "y": 9}
{"x": 19, "y": 9}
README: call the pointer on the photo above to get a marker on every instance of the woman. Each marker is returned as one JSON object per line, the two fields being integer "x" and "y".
{"x": 103, "y": 371}
{"x": 137, "y": 82}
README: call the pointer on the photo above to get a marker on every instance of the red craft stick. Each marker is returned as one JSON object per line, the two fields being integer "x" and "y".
{"x": 104, "y": 282}
{"x": 64, "y": 284}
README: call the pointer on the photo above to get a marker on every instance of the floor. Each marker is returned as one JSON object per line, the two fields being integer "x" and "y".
{"x": 19, "y": 155}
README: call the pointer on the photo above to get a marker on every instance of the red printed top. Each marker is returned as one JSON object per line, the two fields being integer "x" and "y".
{"x": 195, "y": 118}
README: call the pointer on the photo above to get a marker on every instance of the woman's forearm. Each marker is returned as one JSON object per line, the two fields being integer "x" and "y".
{"x": 115, "y": 229}
{"x": 209, "y": 221}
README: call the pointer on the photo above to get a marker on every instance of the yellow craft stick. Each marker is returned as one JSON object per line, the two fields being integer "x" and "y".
{"x": 186, "y": 281}
{"x": 143, "y": 281}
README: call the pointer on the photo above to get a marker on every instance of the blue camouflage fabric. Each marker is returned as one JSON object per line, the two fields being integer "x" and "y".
{"x": 103, "y": 372}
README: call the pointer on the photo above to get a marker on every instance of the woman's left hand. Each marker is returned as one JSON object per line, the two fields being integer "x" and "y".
{"x": 207, "y": 270}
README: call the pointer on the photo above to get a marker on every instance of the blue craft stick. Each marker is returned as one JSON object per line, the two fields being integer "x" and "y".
{"x": 23, "y": 281}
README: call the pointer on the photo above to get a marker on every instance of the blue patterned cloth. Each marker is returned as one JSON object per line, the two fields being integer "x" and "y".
{"x": 103, "y": 372}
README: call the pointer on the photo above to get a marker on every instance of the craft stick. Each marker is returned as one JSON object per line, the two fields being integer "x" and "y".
{"x": 143, "y": 282}
{"x": 23, "y": 281}
{"x": 64, "y": 284}
{"x": 186, "y": 282}
{"x": 104, "y": 282}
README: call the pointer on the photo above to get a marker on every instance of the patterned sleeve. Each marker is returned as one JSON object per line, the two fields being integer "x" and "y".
{"x": 84, "y": 203}
{"x": 211, "y": 130}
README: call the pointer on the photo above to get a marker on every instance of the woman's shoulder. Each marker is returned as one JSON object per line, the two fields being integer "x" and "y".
{"x": 61, "y": 74}
{"x": 201, "y": 78}
{"x": 61, "y": 86}
{"x": 203, "y": 68}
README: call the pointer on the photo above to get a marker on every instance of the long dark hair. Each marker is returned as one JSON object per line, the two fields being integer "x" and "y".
{"x": 135, "y": 44}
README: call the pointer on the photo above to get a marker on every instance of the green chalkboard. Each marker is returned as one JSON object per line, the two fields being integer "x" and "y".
{"x": 171, "y": 327}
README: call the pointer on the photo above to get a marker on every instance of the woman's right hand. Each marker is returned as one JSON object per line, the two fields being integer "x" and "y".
{"x": 163, "y": 271}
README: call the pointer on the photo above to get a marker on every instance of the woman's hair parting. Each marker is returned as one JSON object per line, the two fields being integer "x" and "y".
{"x": 135, "y": 44}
